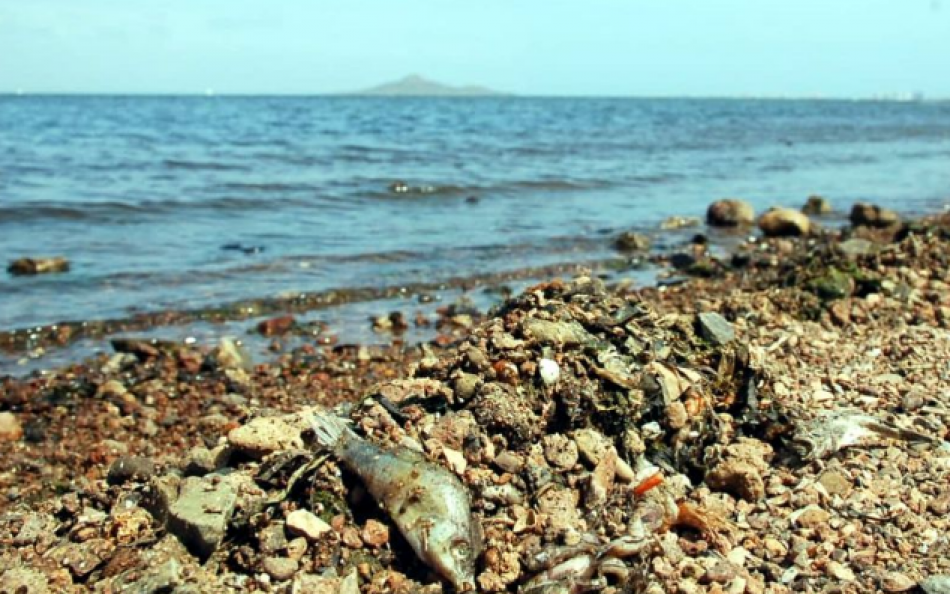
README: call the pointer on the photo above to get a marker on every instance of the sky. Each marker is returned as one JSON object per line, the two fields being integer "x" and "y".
{"x": 834, "y": 48}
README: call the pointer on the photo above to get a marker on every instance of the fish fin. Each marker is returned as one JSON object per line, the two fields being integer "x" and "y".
{"x": 330, "y": 429}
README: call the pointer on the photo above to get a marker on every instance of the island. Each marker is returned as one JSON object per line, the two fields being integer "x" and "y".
{"x": 417, "y": 86}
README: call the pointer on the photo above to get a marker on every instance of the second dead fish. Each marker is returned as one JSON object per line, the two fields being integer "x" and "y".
{"x": 829, "y": 433}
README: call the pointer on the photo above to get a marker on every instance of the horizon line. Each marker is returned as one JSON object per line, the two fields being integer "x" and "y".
{"x": 897, "y": 97}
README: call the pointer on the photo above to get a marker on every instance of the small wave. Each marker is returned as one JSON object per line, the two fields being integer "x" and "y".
{"x": 202, "y": 165}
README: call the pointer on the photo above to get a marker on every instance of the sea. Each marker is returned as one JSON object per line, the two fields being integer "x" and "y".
{"x": 176, "y": 202}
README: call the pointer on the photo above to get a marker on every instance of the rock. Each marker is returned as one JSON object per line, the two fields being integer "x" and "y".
{"x": 629, "y": 241}
{"x": 375, "y": 533}
{"x": 715, "y": 328}
{"x": 936, "y": 584}
{"x": 560, "y": 451}
{"x": 784, "y": 222}
{"x": 31, "y": 266}
{"x": 676, "y": 222}
{"x": 306, "y": 524}
{"x": 893, "y": 581}
{"x": 740, "y": 469}
{"x": 836, "y": 482}
{"x": 201, "y": 461}
{"x": 128, "y": 468}
{"x": 549, "y": 371}
{"x": 265, "y": 435}
{"x": 308, "y": 583}
{"x": 276, "y": 326}
{"x": 10, "y": 427}
{"x": 272, "y": 539}
{"x": 730, "y": 212}
{"x": 159, "y": 580}
{"x": 22, "y": 579}
{"x": 869, "y": 215}
{"x": 816, "y": 205}
{"x": 840, "y": 571}
{"x": 834, "y": 284}
{"x": 199, "y": 517}
{"x": 855, "y": 247}
{"x": 143, "y": 348}
{"x": 810, "y": 517}
{"x": 568, "y": 333}
{"x": 280, "y": 568}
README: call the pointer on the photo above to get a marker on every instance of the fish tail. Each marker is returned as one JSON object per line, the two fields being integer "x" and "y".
{"x": 330, "y": 429}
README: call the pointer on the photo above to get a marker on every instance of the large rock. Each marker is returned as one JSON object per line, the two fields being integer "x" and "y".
{"x": 730, "y": 212}
{"x": 199, "y": 518}
{"x": 715, "y": 328}
{"x": 31, "y": 266}
{"x": 870, "y": 215}
{"x": 784, "y": 222}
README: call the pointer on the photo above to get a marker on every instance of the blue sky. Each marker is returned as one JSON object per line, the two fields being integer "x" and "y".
{"x": 581, "y": 47}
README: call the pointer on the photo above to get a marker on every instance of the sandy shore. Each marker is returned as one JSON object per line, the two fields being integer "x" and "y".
{"x": 691, "y": 441}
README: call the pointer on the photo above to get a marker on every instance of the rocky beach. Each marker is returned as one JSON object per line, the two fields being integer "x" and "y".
{"x": 771, "y": 416}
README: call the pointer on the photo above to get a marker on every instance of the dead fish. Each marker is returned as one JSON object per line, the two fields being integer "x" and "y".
{"x": 429, "y": 505}
{"x": 829, "y": 433}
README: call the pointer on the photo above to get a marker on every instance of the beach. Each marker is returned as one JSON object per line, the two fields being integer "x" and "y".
{"x": 769, "y": 415}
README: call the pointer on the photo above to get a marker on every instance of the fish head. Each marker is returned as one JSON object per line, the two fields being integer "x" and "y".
{"x": 452, "y": 552}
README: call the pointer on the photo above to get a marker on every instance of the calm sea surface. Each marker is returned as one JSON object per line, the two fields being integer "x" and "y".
{"x": 143, "y": 194}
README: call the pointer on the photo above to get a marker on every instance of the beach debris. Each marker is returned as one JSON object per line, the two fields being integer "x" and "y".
{"x": 833, "y": 431}
{"x": 816, "y": 205}
{"x": 715, "y": 328}
{"x": 429, "y": 505}
{"x": 31, "y": 266}
{"x": 679, "y": 222}
{"x": 199, "y": 517}
{"x": 871, "y": 215}
{"x": 549, "y": 371}
{"x": 784, "y": 222}
{"x": 730, "y": 212}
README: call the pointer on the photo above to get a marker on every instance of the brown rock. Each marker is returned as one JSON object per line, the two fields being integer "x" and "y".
{"x": 560, "y": 451}
{"x": 31, "y": 266}
{"x": 784, "y": 222}
{"x": 629, "y": 241}
{"x": 816, "y": 205}
{"x": 280, "y": 568}
{"x": 870, "y": 215}
{"x": 10, "y": 427}
{"x": 306, "y": 524}
{"x": 265, "y": 435}
{"x": 375, "y": 533}
{"x": 730, "y": 212}
{"x": 279, "y": 325}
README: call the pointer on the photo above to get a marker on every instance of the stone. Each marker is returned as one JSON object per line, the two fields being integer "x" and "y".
{"x": 304, "y": 523}
{"x": 129, "y": 468}
{"x": 22, "y": 579}
{"x": 375, "y": 533}
{"x": 835, "y": 482}
{"x": 164, "y": 578}
{"x": 810, "y": 517}
{"x": 740, "y": 469}
{"x": 560, "y": 451}
{"x": 31, "y": 266}
{"x": 265, "y": 435}
{"x": 568, "y": 333}
{"x": 870, "y": 215}
{"x": 816, "y": 205}
{"x": 784, "y": 222}
{"x": 276, "y": 326}
{"x": 10, "y": 427}
{"x": 630, "y": 241}
{"x": 280, "y": 568}
{"x": 201, "y": 461}
{"x": 894, "y": 581}
{"x": 856, "y": 247}
{"x": 272, "y": 539}
{"x": 715, "y": 328}
{"x": 730, "y": 212}
{"x": 199, "y": 517}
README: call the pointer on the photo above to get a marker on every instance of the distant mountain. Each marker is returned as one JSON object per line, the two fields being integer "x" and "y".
{"x": 416, "y": 86}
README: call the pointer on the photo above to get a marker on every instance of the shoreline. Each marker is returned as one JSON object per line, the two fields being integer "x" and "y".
{"x": 99, "y": 452}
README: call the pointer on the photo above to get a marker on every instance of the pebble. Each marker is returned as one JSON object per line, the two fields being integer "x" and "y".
{"x": 265, "y": 435}
{"x": 280, "y": 568}
{"x": 715, "y": 328}
{"x": 375, "y": 533}
{"x": 810, "y": 517}
{"x": 10, "y": 427}
{"x": 128, "y": 468}
{"x": 840, "y": 571}
{"x": 549, "y": 371}
{"x": 560, "y": 451}
{"x": 893, "y": 581}
{"x": 937, "y": 584}
{"x": 199, "y": 517}
{"x": 306, "y": 524}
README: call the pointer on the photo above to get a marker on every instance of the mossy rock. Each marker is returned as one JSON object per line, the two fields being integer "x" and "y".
{"x": 834, "y": 284}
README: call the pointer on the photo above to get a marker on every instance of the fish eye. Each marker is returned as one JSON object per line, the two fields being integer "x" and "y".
{"x": 461, "y": 549}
